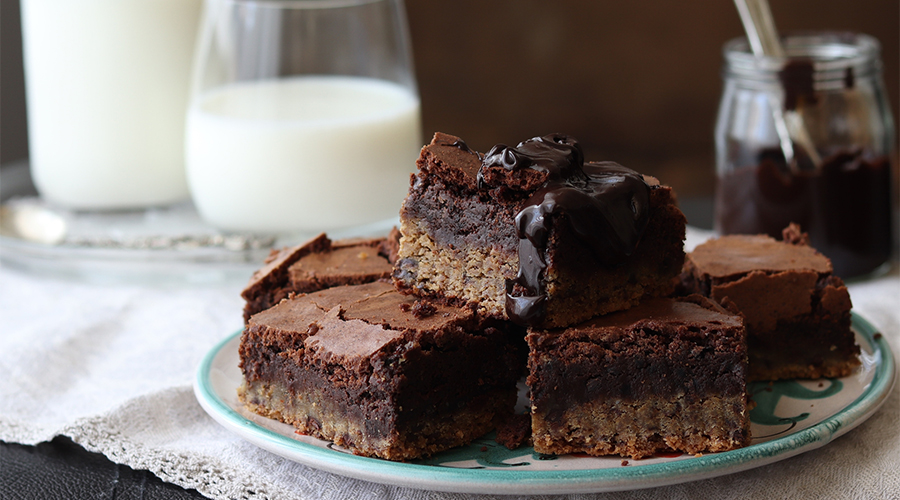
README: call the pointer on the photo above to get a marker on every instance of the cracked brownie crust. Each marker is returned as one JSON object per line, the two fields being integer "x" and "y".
{"x": 318, "y": 264}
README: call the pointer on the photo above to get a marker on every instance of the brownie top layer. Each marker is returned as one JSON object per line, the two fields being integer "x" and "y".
{"x": 319, "y": 263}
{"x": 690, "y": 310}
{"x": 322, "y": 256}
{"x": 525, "y": 168}
{"x": 348, "y": 342}
{"x": 736, "y": 255}
{"x": 354, "y": 262}
{"x": 768, "y": 281}
{"x": 693, "y": 310}
{"x": 380, "y": 303}
{"x": 356, "y": 321}
{"x": 449, "y": 158}
{"x": 274, "y": 269}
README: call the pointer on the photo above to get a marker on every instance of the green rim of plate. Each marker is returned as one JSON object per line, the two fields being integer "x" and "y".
{"x": 577, "y": 480}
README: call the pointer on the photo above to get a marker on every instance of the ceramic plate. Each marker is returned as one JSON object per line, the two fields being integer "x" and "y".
{"x": 791, "y": 417}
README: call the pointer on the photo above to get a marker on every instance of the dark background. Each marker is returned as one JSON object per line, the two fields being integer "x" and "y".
{"x": 636, "y": 82}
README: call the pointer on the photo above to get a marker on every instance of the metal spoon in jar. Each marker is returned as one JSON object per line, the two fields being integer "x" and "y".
{"x": 764, "y": 41}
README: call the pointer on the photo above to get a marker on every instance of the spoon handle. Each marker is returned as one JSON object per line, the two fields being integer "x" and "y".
{"x": 760, "y": 27}
{"x": 759, "y": 24}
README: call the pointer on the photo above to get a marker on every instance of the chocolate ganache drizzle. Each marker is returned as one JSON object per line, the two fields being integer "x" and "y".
{"x": 605, "y": 205}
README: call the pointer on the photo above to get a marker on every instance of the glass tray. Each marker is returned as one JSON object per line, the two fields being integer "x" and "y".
{"x": 157, "y": 245}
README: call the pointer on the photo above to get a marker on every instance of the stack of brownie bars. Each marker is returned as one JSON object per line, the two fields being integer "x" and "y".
{"x": 529, "y": 262}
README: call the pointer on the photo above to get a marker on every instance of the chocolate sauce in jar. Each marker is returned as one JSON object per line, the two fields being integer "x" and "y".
{"x": 844, "y": 205}
{"x": 606, "y": 205}
{"x": 797, "y": 80}
{"x": 843, "y": 200}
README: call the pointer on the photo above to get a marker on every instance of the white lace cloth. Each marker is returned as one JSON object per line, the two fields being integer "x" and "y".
{"x": 111, "y": 367}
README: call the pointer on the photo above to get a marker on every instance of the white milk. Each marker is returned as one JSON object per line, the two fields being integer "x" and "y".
{"x": 302, "y": 153}
{"x": 107, "y": 89}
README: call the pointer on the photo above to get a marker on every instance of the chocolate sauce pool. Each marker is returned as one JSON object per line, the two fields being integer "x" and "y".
{"x": 844, "y": 205}
{"x": 606, "y": 205}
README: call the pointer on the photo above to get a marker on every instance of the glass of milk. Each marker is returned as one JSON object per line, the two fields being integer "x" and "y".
{"x": 107, "y": 86}
{"x": 304, "y": 115}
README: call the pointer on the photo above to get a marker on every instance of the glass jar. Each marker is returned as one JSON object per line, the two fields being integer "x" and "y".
{"x": 307, "y": 111}
{"x": 840, "y": 191}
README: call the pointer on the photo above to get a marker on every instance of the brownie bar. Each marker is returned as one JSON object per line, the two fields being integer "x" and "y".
{"x": 378, "y": 372}
{"x": 668, "y": 374}
{"x": 318, "y": 264}
{"x": 535, "y": 235}
{"x": 797, "y": 313}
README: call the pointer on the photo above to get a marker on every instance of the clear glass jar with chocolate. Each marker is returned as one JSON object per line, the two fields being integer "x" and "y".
{"x": 808, "y": 139}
